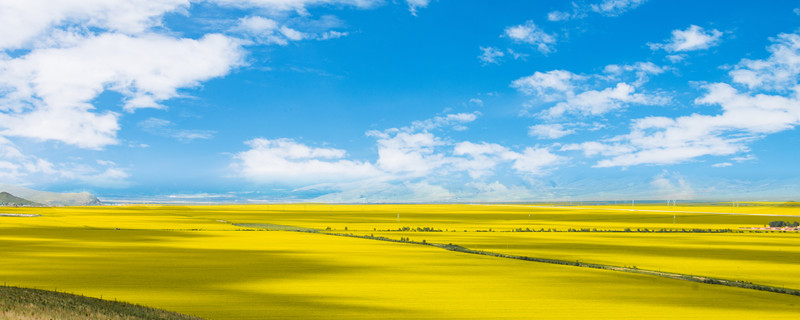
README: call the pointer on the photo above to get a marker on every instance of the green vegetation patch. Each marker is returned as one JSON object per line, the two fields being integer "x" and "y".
{"x": 23, "y": 304}
{"x": 274, "y": 227}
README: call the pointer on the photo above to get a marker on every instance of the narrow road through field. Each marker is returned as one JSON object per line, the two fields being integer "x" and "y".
{"x": 457, "y": 248}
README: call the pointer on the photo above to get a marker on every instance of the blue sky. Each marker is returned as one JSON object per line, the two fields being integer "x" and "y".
{"x": 401, "y": 101}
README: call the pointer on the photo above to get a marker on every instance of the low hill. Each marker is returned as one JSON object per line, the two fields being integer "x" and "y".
{"x": 29, "y": 304}
{"x": 52, "y": 198}
{"x": 7, "y": 199}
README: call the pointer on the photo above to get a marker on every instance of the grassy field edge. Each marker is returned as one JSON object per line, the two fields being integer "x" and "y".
{"x": 19, "y": 303}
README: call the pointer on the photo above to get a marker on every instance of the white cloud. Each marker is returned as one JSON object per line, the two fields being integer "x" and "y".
{"x": 593, "y": 102}
{"x": 745, "y": 158}
{"x": 616, "y": 7}
{"x": 531, "y": 34}
{"x": 608, "y": 8}
{"x": 722, "y": 165}
{"x": 482, "y": 158}
{"x": 411, "y": 161}
{"x": 109, "y": 178}
{"x": 331, "y": 34}
{"x": 22, "y": 169}
{"x": 15, "y": 166}
{"x": 516, "y": 55}
{"x": 593, "y": 148}
{"x": 672, "y": 186}
{"x": 675, "y": 58}
{"x": 294, "y": 5}
{"x": 49, "y": 90}
{"x": 76, "y": 125}
{"x": 490, "y": 55}
{"x": 642, "y": 71}
{"x": 778, "y": 72}
{"x": 59, "y": 56}
{"x": 745, "y": 117}
{"x": 549, "y": 131}
{"x": 25, "y": 22}
{"x": 558, "y": 16}
{"x": 442, "y": 121}
{"x": 72, "y": 51}
{"x": 263, "y": 30}
{"x": 286, "y": 161}
{"x": 692, "y": 39}
{"x": 413, "y": 5}
{"x": 410, "y": 154}
{"x": 550, "y": 86}
{"x": 579, "y": 94}
{"x": 476, "y": 102}
{"x": 498, "y": 192}
{"x": 535, "y": 160}
{"x": 166, "y": 128}
{"x": 381, "y": 191}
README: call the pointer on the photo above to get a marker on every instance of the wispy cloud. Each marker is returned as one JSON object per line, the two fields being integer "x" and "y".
{"x": 608, "y": 8}
{"x": 531, "y": 34}
{"x": 591, "y": 95}
{"x": 746, "y": 116}
{"x": 166, "y": 128}
{"x": 415, "y": 5}
{"x": 692, "y": 39}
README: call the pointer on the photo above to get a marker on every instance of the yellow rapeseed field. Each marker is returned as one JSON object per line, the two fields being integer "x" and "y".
{"x": 196, "y": 260}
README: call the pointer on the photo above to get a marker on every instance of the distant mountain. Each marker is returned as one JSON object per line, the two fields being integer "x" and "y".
{"x": 52, "y": 198}
{"x": 7, "y": 199}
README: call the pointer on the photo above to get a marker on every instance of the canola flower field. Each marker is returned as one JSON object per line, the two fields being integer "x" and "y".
{"x": 250, "y": 261}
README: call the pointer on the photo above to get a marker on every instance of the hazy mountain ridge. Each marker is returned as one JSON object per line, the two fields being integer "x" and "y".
{"x": 7, "y": 199}
{"x": 51, "y": 198}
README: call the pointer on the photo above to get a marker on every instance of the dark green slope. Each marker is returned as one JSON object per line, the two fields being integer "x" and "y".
{"x": 23, "y": 304}
{"x": 7, "y": 199}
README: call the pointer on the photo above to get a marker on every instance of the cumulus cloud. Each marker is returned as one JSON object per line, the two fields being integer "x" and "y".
{"x": 72, "y": 51}
{"x": 594, "y": 102}
{"x": 589, "y": 95}
{"x": 288, "y": 162}
{"x": 407, "y": 157}
{"x": 778, "y": 72}
{"x": 26, "y": 22}
{"x": 23, "y": 169}
{"x": 641, "y": 70}
{"x": 530, "y": 34}
{"x": 58, "y": 57}
{"x": 49, "y": 90}
{"x": 745, "y": 116}
{"x": 692, "y": 39}
{"x": 550, "y": 86}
